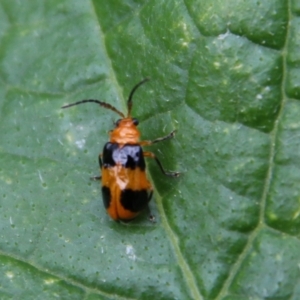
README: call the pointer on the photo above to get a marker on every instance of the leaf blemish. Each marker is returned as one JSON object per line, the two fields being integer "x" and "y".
{"x": 130, "y": 252}
{"x": 49, "y": 281}
{"x": 10, "y": 275}
{"x": 80, "y": 144}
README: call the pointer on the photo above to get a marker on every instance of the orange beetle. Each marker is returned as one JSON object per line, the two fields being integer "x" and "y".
{"x": 126, "y": 190}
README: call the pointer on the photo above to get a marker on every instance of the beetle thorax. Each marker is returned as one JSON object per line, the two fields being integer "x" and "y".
{"x": 126, "y": 132}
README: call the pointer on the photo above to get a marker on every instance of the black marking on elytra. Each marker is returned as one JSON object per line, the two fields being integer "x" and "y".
{"x": 134, "y": 201}
{"x": 106, "y": 196}
{"x": 128, "y": 156}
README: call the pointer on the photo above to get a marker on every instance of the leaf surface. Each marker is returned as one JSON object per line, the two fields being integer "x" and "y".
{"x": 225, "y": 75}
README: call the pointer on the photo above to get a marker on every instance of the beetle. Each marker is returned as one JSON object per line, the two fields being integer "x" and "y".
{"x": 126, "y": 190}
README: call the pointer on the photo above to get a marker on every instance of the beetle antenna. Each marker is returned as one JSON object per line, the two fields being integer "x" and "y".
{"x": 104, "y": 104}
{"x": 129, "y": 102}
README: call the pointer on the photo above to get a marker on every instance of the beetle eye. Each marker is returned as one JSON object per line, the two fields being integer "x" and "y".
{"x": 135, "y": 121}
{"x": 117, "y": 123}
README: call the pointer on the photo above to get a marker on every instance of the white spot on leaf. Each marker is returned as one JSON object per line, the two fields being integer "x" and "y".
{"x": 10, "y": 275}
{"x": 49, "y": 281}
{"x": 224, "y": 35}
{"x": 80, "y": 144}
{"x": 130, "y": 252}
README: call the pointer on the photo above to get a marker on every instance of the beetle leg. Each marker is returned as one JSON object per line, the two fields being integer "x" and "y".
{"x": 100, "y": 160}
{"x": 152, "y": 155}
{"x": 147, "y": 143}
{"x": 151, "y": 217}
{"x": 96, "y": 177}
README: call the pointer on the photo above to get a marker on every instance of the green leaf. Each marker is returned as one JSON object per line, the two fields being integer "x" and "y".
{"x": 225, "y": 75}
